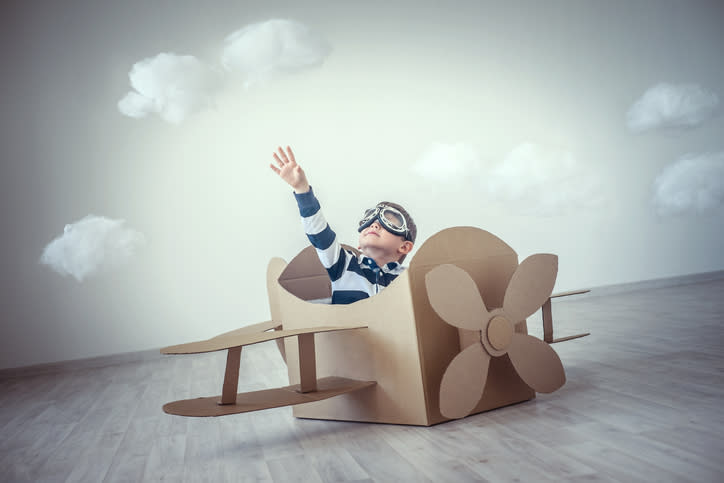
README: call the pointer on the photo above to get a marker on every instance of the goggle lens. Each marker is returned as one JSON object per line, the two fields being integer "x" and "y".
{"x": 368, "y": 216}
{"x": 394, "y": 219}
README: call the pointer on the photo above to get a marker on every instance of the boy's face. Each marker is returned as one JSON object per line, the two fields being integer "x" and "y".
{"x": 381, "y": 245}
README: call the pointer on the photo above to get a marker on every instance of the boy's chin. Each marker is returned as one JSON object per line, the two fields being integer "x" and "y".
{"x": 371, "y": 251}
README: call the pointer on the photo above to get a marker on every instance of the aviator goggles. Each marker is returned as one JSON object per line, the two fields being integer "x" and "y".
{"x": 390, "y": 218}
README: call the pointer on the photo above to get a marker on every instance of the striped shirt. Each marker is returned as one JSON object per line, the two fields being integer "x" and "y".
{"x": 354, "y": 277}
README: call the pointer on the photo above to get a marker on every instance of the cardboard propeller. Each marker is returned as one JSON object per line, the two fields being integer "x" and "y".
{"x": 455, "y": 297}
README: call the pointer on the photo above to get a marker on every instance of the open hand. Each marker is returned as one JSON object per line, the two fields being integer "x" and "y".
{"x": 288, "y": 170}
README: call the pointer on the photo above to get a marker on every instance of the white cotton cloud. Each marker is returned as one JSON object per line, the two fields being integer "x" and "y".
{"x": 669, "y": 106}
{"x": 447, "y": 163}
{"x": 543, "y": 181}
{"x": 91, "y": 245}
{"x": 263, "y": 50}
{"x": 177, "y": 86}
{"x": 172, "y": 86}
{"x": 694, "y": 184}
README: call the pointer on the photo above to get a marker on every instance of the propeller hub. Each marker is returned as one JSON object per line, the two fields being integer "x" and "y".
{"x": 500, "y": 332}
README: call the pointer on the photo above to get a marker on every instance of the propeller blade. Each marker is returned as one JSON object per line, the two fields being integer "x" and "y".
{"x": 464, "y": 381}
{"x": 455, "y": 297}
{"x": 536, "y": 363}
{"x": 531, "y": 285}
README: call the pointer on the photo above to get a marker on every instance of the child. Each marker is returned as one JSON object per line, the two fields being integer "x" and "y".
{"x": 386, "y": 235}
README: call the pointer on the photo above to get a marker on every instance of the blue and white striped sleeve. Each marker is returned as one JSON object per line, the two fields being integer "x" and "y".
{"x": 321, "y": 236}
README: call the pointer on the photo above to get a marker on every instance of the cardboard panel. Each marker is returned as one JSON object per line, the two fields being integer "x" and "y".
{"x": 446, "y": 286}
{"x": 464, "y": 381}
{"x": 536, "y": 363}
{"x": 311, "y": 288}
{"x": 547, "y": 315}
{"x": 490, "y": 262}
{"x": 265, "y": 399}
{"x": 387, "y": 352}
{"x": 307, "y": 363}
{"x": 273, "y": 272}
{"x": 305, "y": 276}
{"x": 231, "y": 376}
{"x": 503, "y": 387}
{"x": 252, "y": 329}
{"x": 237, "y": 340}
{"x": 531, "y": 285}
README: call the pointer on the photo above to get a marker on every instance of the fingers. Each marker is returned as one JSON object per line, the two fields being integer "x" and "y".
{"x": 275, "y": 169}
{"x": 284, "y": 157}
{"x": 279, "y": 161}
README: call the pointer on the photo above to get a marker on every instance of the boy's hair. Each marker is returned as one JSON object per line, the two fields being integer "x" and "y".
{"x": 411, "y": 227}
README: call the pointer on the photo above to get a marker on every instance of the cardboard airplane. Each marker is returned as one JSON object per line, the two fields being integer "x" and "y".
{"x": 448, "y": 338}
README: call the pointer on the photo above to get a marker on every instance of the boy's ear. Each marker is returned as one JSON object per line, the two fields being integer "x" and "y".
{"x": 406, "y": 247}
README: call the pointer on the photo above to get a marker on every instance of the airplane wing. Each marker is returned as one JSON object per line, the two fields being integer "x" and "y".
{"x": 267, "y": 398}
{"x": 240, "y": 338}
{"x": 308, "y": 390}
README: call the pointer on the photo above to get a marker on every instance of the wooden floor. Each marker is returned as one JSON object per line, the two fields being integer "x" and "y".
{"x": 643, "y": 402}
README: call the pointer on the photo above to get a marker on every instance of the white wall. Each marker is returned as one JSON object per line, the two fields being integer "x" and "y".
{"x": 399, "y": 79}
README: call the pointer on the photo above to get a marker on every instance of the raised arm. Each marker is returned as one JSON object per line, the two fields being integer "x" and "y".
{"x": 321, "y": 236}
{"x": 288, "y": 170}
